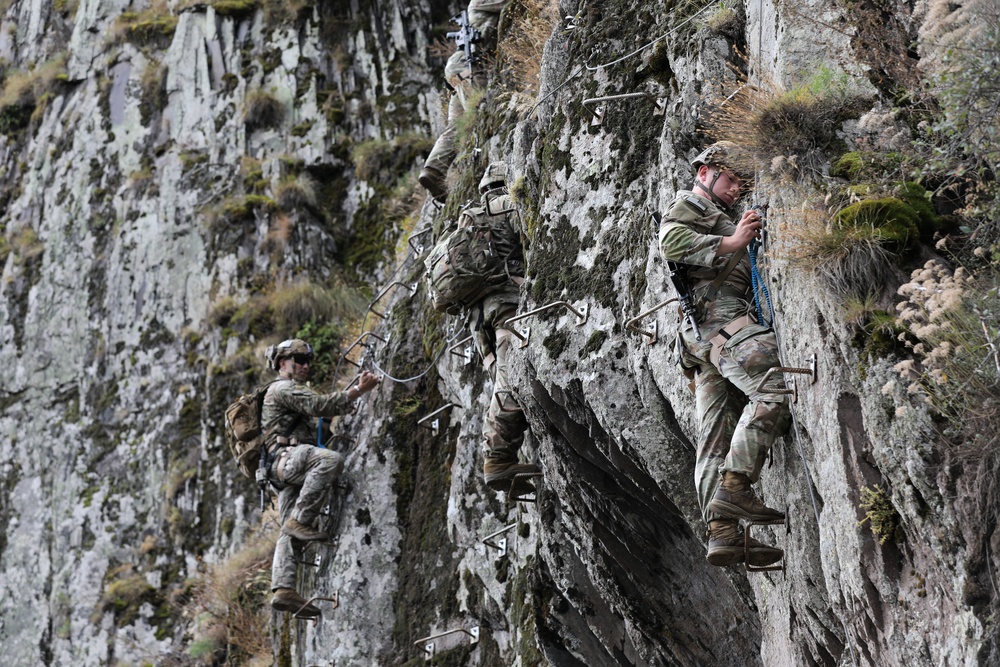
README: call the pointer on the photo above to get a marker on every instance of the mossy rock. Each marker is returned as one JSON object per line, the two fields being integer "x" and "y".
{"x": 896, "y": 221}
{"x": 849, "y": 166}
{"x": 918, "y": 199}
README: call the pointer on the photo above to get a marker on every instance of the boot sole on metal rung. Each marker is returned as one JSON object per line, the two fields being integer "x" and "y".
{"x": 746, "y": 545}
{"x": 521, "y": 488}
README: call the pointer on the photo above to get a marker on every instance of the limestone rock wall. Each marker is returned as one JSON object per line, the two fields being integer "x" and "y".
{"x": 143, "y": 214}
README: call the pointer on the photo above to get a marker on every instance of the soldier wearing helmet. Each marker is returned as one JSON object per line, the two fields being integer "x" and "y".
{"x": 301, "y": 472}
{"x": 504, "y": 424}
{"x": 462, "y": 77}
{"x": 727, "y": 349}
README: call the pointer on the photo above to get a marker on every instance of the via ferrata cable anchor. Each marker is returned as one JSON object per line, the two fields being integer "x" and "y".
{"x": 746, "y": 545}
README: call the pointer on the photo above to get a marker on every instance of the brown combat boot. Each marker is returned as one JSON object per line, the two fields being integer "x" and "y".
{"x": 287, "y": 599}
{"x": 433, "y": 181}
{"x": 726, "y": 546}
{"x": 300, "y": 531}
{"x": 735, "y": 499}
{"x": 500, "y": 474}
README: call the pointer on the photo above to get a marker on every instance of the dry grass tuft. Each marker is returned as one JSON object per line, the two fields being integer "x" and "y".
{"x": 851, "y": 260}
{"x": 797, "y": 125}
{"x": 531, "y": 23}
{"x": 231, "y": 604}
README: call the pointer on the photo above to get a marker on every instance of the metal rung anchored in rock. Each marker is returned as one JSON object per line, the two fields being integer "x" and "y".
{"x": 521, "y": 488}
{"x": 660, "y": 104}
{"x": 435, "y": 424}
{"x": 429, "y": 646}
{"x": 500, "y": 544}
{"x": 524, "y": 335}
{"x": 653, "y": 332}
{"x": 335, "y": 600}
{"x": 790, "y": 389}
{"x": 746, "y": 545}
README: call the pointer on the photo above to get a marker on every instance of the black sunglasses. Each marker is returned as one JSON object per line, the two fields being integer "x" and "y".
{"x": 302, "y": 359}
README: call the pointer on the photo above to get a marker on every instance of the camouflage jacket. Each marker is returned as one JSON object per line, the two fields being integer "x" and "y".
{"x": 287, "y": 399}
{"x": 690, "y": 234}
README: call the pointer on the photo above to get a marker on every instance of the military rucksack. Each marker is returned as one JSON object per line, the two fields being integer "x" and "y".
{"x": 244, "y": 433}
{"x": 472, "y": 261}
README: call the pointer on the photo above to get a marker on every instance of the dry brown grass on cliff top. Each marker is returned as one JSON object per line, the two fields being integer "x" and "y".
{"x": 529, "y": 25}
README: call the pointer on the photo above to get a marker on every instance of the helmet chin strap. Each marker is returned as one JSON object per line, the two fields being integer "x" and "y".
{"x": 710, "y": 190}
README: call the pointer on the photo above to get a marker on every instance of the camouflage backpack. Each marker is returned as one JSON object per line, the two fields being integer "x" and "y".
{"x": 244, "y": 434}
{"x": 472, "y": 261}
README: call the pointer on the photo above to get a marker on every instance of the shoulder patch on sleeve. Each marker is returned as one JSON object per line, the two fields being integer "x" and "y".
{"x": 693, "y": 201}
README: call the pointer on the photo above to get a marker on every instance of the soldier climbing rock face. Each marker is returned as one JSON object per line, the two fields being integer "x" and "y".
{"x": 301, "y": 472}
{"x": 728, "y": 347}
{"x": 463, "y": 75}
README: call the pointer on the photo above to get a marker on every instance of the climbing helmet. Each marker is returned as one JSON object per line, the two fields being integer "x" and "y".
{"x": 495, "y": 176}
{"x": 287, "y": 348}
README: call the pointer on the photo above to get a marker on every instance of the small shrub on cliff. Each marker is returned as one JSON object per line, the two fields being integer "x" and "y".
{"x": 528, "y": 24}
{"x": 263, "y": 111}
{"x": 953, "y": 315}
{"x": 153, "y": 26}
{"x": 230, "y": 602}
{"x": 25, "y": 93}
{"x": 772, "y": 122}
{"x": 880, "y": 514}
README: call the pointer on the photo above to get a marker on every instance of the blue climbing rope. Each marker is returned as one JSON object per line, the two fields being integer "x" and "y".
{"x": 759, "y": 288}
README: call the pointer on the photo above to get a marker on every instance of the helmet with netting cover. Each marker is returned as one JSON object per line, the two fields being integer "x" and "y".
{"x": 286, "y": 348}
{"x": 727, "y": 155}
{"x": 495, "y": 176}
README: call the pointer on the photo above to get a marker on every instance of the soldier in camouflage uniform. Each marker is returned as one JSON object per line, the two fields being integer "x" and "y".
{"x": 504, "y": 424}
{"x": 733, "y": 351}
{"x": 460, "y": 75}
{"x": 301, "y": 472}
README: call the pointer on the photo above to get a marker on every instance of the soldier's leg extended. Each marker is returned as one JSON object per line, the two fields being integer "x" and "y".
{"x": 504, "y": 424}
{"x": 765, "y": 418}
{"x": 314, "y": 471}
{"x": 716, "y": 423}
{"x": 432, "y": 176}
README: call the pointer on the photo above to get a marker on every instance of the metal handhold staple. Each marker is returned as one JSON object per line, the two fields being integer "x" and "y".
{"x": 654, "y": 331}
{"x": 466, "y": 353}
{"x": 428, "y": 643}
{"x": 343, "y": 356}
{"x": 419, "y": 249}
{"x": 435, "y": 424}
{"x": 811, "y": 371}
{"x": 501, "y": 544}
{"x": 371, "y": 308}
{"x": 659, "y": 102}
{"x": 581, "y": 318}
{"x": 335, "y": 600}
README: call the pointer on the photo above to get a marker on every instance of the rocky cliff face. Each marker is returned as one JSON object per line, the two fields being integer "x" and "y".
{"x": 184, "y": 183}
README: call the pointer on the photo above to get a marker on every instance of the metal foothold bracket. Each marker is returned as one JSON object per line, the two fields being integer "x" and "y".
{"x": 525, "y": 336}
{"x": 501, "y": 544}
{"x": 746, "y": 545}
{"x": 660, "y": 106}
{"x": 435, "y": 424}
{"x": 598, "y": 116}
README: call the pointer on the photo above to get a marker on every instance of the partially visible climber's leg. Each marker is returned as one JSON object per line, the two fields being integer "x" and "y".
{"x": 432, "y": 176}
{"x": 314, "y": 470}
{"x": 735, "y": 498}
{"x": 284, "y": 566}
{"x": 726, "y": 546}
{"x": 717, "y": 412}
{"x": 765, "y": 418}
{"x": 504, "y": 425}
{"x": 288, "y": 599}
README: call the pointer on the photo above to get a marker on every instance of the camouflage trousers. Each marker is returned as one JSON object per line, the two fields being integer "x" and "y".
{"x": 308, "y": 473}
{"x": 736, "y": 432}
{"x": 504, "y": 424}
{"x": 444, "y": 150}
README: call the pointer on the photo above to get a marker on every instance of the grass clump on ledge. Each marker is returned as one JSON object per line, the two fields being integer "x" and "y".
{"x": 263, "y": 111}
{"x": 154, "y": 26}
